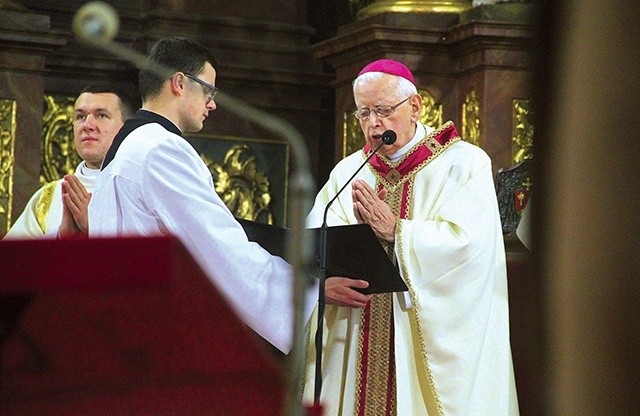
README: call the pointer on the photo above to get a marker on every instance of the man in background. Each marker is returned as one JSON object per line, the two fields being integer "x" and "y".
{"x": 99, "y": 112}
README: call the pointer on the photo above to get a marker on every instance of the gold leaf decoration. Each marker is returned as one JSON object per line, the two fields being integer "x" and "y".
{"x": 352, "y": 136}
{"x": 365, "y": 8}
{"x": 430, "y": 113}
{"x": 471, "y": 118}
{"x": 7, "y": 149}
{"x": 522, "y": 140}
{"x": 59, "y": 155}
{"x": 243, "y": 189}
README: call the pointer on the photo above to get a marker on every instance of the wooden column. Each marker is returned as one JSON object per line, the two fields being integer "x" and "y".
{"x": 24, "y": 41}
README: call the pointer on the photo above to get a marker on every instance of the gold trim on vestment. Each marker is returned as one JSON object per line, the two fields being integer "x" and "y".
{"x": 379, "y": 349}
{"x": 432, "y": 400}
{"x": 394, "y": 189}
{"x": 428, "y": 136}
{"x": 380, "y": 320}
{"x": 381, "y": 306}
{"x": 432, "y": 144}
{"x": 394, "y": 201}
{"x": 44, "y": 204}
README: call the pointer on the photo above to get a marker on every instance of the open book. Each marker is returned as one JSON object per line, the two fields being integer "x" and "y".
{"x": 352, "y": 251}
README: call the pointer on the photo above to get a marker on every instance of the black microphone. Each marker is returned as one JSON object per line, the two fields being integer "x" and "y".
{"x": 388, "y": 137}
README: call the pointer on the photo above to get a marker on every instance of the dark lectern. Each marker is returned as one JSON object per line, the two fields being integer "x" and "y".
{"x": 127, "y": 326}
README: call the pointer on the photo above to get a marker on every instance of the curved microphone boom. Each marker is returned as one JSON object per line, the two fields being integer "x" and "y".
{"x": 388, "y": 137}
{"x": 96, "y": 24}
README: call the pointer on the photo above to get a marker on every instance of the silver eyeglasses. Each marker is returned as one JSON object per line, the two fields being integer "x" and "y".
{"x": 210, "y": 91}
{"x": 381, "y": 111}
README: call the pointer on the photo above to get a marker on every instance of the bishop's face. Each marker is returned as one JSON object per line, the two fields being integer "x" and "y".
{"x": 380, "y": 93}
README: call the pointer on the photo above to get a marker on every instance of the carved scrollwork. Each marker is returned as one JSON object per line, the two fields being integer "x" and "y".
{"x": 352, "y": 137}
{"x": 7, "y": 147}
{"x": 522, "y": 140}
{"x": 59, "y": 155}
{"x": 243, "y": 189}
{"x": 430, "y": 113}
{"x": 471, "y": 118}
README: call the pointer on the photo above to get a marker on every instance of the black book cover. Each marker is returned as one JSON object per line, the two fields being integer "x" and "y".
{"x": 352, "y": 251}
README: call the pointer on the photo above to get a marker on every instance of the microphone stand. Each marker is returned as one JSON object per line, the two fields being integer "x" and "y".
{"x": 388, "y": 137}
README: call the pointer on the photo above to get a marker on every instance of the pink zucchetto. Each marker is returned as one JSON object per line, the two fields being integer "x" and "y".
{"x": 389, "y": 66}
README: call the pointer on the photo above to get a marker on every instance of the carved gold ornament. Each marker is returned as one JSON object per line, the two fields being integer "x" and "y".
{"x": 522, "y": 140}
{"x": 7, "y": 149}
{"x": 430, "y": 112}
{"x": 352, "y": 136}
{"x": 59, "y": 155}
{"x": 471, "y": 119}
{"x": 243, "y": 189}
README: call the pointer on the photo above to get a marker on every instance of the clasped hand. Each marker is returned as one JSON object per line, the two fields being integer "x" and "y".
{"x": 75, "y": 208}
{"x": 369, "y": 208}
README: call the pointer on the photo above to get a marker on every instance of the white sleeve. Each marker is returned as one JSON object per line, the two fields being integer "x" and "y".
{"x": 178, "y": 188}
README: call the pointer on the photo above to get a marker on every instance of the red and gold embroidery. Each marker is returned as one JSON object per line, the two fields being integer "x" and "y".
{"x": 376, "y": 363}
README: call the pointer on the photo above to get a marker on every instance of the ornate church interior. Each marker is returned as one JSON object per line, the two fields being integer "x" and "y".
{"x": 529, "y": 82}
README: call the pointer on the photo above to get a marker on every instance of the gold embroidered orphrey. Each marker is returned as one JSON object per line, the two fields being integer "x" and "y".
{"x": 381, "y": 305}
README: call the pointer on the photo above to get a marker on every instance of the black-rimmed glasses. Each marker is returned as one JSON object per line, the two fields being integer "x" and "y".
{"x": 381, "y": 111}
{"x": 210, "y": 91}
